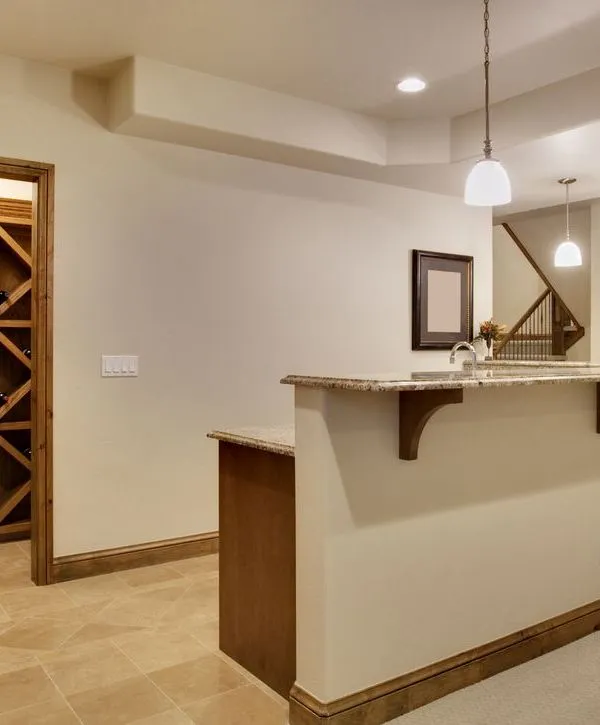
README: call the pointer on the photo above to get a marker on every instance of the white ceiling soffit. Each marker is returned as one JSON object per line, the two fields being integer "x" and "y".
{"x": 312, "y": 82}
{"x": 155, "y": 100}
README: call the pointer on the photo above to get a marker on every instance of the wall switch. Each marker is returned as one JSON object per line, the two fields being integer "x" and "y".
{"x": 119, "y": 366}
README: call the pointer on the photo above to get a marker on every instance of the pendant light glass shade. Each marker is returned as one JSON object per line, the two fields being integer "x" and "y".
{"x": 567, "y": 254}
{"x": 487, "y": 184}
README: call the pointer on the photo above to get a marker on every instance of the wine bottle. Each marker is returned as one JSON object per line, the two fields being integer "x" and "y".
{"x": 3, "y": 296}
{"x": 27, "y": 452}
{"x": 26, "y": 351}
{"x": 3, "y": 398}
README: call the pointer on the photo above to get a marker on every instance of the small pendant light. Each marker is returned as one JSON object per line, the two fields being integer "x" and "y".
{"x": 488, "y": 183}
{"x": 567, "y": 253}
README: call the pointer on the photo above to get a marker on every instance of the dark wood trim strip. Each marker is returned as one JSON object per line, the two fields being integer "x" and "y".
{"x": 77, "y": 566}
{"x": 388, "y": 700}
{"x": 415, "y": 408}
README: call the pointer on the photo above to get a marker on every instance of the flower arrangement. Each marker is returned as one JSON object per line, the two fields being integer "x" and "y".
{"x": 490, "y": 331}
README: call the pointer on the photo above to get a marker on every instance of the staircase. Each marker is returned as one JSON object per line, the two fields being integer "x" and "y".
{"x": 546, "y": 330}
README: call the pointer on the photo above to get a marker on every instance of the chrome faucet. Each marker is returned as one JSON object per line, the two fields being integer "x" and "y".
{"x": 466, "y": 346}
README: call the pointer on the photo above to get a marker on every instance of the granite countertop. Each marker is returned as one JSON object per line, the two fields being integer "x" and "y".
{"x": 485, "y": 377}
{"x": 274, "y": 439}
{"x": 531, "y": 364}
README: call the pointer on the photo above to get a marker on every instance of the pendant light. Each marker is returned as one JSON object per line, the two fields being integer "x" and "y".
{"x": 488, "y": 183}
{"x": 567, "y": 253}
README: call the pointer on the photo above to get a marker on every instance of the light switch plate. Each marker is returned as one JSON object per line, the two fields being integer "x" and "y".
{"x": 119, "y": 366}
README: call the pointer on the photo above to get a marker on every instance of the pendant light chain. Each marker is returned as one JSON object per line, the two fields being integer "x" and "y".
{"x": 568, "y": 220}
{"x": 487, "y": 145}
{"x": 487, "y": 183}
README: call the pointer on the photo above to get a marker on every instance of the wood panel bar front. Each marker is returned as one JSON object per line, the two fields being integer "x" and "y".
{"x": 257, "y": 563}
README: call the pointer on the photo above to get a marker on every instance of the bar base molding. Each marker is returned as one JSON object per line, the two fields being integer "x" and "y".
{"x": 384, "y": 702}
{"x": 77, "y": 566}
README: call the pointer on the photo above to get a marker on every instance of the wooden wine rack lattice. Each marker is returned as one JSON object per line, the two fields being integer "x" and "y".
{"x": 15, "y": 368}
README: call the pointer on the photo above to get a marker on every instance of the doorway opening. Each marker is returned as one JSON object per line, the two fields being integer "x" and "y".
{"x": 26, "y": 246}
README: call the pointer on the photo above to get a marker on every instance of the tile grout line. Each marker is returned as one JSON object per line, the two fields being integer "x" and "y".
{"x": 252, "y": 679}
{"x": 24, "y": 707}
{"x": 121, "y": 574}
{"x": 58, "y": 690}
{"x": 145, "y": 676}
{"x": 2, "y": 610}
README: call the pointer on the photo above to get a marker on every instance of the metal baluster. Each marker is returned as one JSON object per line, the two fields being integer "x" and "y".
{"x": 536, "y": 325}
{"x": 549, "y": 325}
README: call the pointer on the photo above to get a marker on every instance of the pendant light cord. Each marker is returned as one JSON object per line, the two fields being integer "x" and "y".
{"x": 487, "y": 145}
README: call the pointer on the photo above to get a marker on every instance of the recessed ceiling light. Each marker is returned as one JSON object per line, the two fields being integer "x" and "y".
{"x": 411, "y": 85}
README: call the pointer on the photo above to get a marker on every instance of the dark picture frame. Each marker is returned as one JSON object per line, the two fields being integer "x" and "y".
{"x": 442, "y": 300}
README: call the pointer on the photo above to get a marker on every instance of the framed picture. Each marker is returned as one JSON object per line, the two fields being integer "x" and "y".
{"x": 442, "y": 300}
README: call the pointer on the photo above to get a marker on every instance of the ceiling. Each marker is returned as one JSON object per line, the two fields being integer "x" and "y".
{"x": 347, "y": 53}
{"x": 534, "y": 169}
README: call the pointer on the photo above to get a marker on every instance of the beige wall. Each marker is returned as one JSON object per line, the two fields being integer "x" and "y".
{"x": 516, "y": 283}
{"x": 496, "y": 527}
{"x": 542, "y": 232}
{"x": 595, "y": 280}
{"x": 223, "y": 274}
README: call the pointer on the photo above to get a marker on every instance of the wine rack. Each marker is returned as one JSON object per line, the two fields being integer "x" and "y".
{"x": 15, "y": 368}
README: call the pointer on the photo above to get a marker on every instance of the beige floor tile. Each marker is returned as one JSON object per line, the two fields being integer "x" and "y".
{"x": 11, "y": 551}
{"x": 21, "y": 687}
{"x": 93, "y": 631}
{"x": 244, "y": 706}
{"x": 207, "y": 633}
{"x": 149, "y": 576}
{"x": 4, "y": 617}
{"x": 121, "y": 703}
{"x": 87, "y": 667}
{"x": 189, "y": 625}
{"x": 12, "y": 659}
{"x": 95, "y": 589}
{"x": 34, "y": 602}
{"x": 196, "y": 680}
{"x": 38, "y": 634}
{"x": 154, "y": 650}
{"x": 15, "y": 576}
{"x": 170, "y": 717}
{"x": 15, "y": 559}
{"x": 82, "y": 613}
{"x": 200, "y": 565}
{"x": 144, "y": 608}
{"x": 53, "y": 712}
{"x": 25, "y": 546}
{"x": 251, "y": 678}
{"x": 197, "y": 601}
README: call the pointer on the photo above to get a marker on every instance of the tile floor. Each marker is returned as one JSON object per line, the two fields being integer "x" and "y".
{"x": 138, "y": 647}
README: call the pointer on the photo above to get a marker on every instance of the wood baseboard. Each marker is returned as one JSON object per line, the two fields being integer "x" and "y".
{"x": 386, "y": 701}
{"x": 77, "y": 566}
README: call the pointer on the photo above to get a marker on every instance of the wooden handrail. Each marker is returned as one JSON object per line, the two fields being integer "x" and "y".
{"x": 521, "y": 321}
{"x": 510, "y": 231}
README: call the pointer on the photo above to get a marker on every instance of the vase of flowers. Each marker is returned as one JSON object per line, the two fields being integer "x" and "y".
{"x": 490, "y": 331}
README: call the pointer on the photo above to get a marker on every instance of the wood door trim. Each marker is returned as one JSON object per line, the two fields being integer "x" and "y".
{"x": 41, "y": 175}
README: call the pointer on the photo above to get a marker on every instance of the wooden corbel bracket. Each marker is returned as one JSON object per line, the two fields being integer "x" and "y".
{"x": 415, "y": 408}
